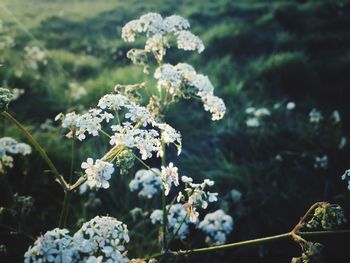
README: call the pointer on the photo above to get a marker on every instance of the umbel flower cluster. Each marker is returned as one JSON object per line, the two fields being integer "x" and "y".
{"x": 137, "y": 131}
{"x": 102, "y": 239}
{"x": 8, "y": 147}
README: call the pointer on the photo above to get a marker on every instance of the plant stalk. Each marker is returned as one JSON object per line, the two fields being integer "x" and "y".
{"x": 39, "y": 148}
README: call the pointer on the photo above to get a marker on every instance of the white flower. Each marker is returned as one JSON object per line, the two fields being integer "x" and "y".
{"x": 89, "y": 122}
{"x": 262, "y": 112}
{"x": 253, "y": 122}
{"x": 175, "y": 23}
{"x": 54, "y": 246}
{"x": 336, "y": 116}
{"x": 290, "y": 106}
{"x": 212, "y": 197}
{"x": 147, "y": 181}
{"x": 9, "y": 146}
{"x": 321, "y": 162}
{"x": 170, "y": 135}
{"x": 315, "y": 116}
{"x": 105, "y": 236}
{"x": 186, "y": 179}
{"x": 169, "y": 177}
{"x": 215, "y": 106}
{"x": 138, "y": 114}
{"x": 217, "y": 226}
{"x": 177, "y": 217}
{"x": 112, "y": 101}
{"x": 97, "y": 173}
{"x": 157, "y": 216}
{"x": 188, "y": 41}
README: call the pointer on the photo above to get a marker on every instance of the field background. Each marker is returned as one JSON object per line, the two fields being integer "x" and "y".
{"x": 258, "y": 53}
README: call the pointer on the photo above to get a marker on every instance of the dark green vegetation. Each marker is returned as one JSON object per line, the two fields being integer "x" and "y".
{"x": 258, "y": 53}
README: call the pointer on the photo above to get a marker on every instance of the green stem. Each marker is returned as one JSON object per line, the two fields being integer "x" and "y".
{"x": 68, "y": 193}
{"x": 263, "y": 240}
{"x": 38, "y": 147}
{"x": 65, "y": 209}
{"x": 165, "y": 218}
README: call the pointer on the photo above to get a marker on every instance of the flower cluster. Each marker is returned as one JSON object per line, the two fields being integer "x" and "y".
{"x": 159, "y": 32}
{"x": 256, "y": 115}
{"x": 178, "y": 221}
{"x": 217, "y": 226}
{"x": 196, "y": 196}
{"x": 147, "y": 182}
{"x": 9, "y": 146}
{"x": 169, "y": 176}
{"x": 327, "y": 217}
{"x": 6, "y": 96}
{"x": 102, "y": 239}
{"x": 80, "y": 124}
{"x": 54, "y": 246}
{"x": 178, "y": 79}
{"x": 97, "y": 173}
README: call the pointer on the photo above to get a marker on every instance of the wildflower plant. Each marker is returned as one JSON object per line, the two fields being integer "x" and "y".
{"x": 136, "y": 131}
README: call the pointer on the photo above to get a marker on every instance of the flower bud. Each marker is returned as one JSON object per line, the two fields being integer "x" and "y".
{"x": 6, "y": 97}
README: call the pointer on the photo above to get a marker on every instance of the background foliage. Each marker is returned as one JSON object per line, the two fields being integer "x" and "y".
{"x": 258, "y": 54}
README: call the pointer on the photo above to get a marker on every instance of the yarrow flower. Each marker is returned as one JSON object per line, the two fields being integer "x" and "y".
{"x": 54, "y": 246}
{"x": 217, "y": 226}
{"x": 103, "y": 236}
{"x": 147, "y": 181}
{"x": 8, "y": 147}
{"x": 97, "y": 173}
{"x": 177, "y": 220}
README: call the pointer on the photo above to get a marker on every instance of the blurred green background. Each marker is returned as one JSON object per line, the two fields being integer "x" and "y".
{"x": 260, "y": 54}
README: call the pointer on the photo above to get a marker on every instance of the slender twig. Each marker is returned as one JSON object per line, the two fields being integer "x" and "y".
{"x": 165, "y": 218}
{"x": 263, "y": 240}
{"x": 68, "y": 193}
{"x": 39, "y": 148}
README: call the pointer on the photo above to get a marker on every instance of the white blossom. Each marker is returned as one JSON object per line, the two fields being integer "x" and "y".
{"x": 89, "y": 122}
{"x": 188, "y": 41}
{"x": 147, "y": 182}
{"x": 104, "y": 236}
{"x": 315, "y": 116}
{"x": 217, "y": 226}
{"x": 54, "y": 246}
{"x": 169, "y": 176}
{"x": 290, "y": 105}
{"x": 9, "y": 146}
{"x": 112, "y": 101}
{"x": 321, "y": 162}
{"x": 97, "y": 173}
{"x": 177, "y": 220}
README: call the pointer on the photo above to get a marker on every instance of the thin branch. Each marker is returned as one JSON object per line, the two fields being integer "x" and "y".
{"x": 39, "y": 148}
{"x": 263, "y": 240}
